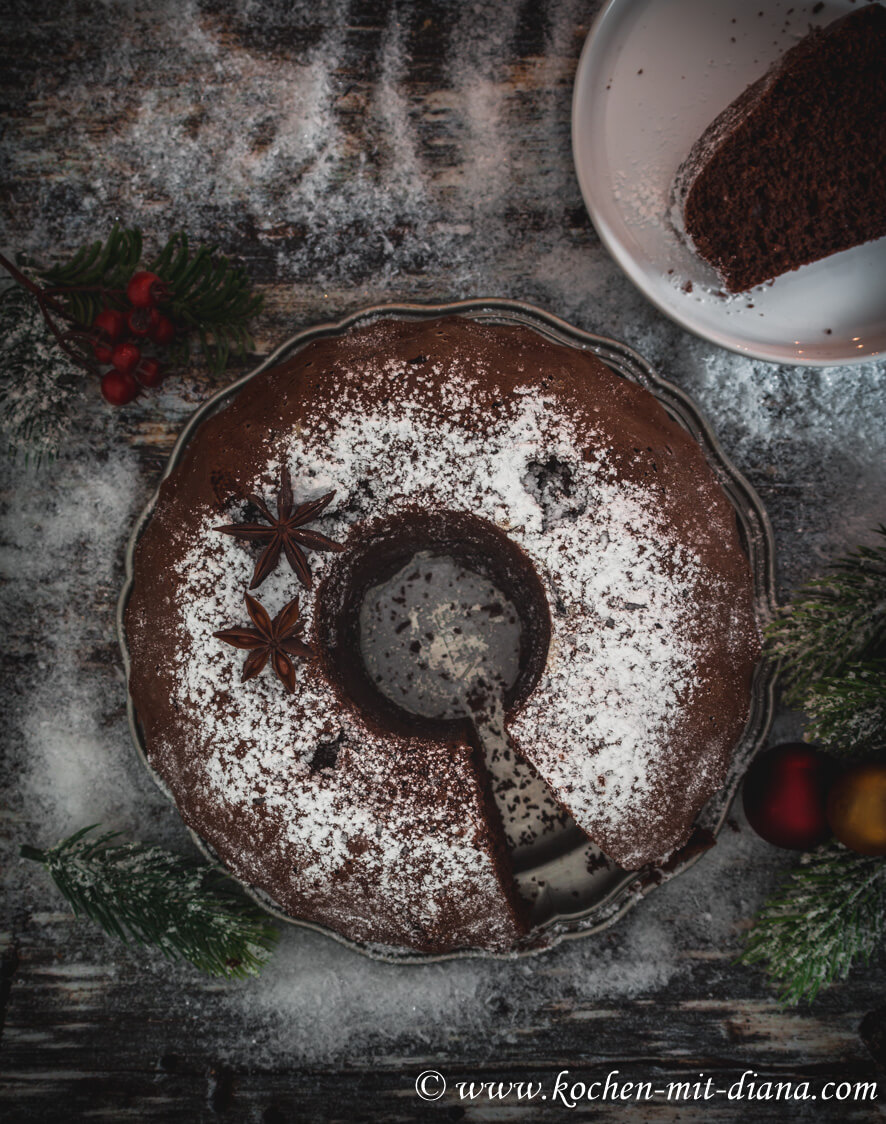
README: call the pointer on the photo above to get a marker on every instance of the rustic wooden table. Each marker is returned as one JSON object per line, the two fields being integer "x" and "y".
{"x": 347, "y": 153}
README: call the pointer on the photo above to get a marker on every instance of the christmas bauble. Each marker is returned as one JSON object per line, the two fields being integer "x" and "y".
{"x": 856, "y": 809}
{"x": 785, "y": 796}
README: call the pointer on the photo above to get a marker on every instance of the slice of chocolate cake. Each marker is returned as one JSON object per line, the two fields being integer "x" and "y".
{"x": 793, "y": 170}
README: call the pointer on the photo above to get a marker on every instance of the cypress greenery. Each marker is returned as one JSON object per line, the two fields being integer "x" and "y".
{"x": 148, "y": 896}
{"x": 833, "y": 621}
{"x": 831, "y": 912}
{"x": 97, "y": 275}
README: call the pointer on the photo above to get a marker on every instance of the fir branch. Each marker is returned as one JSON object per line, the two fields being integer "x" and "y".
{"x": 830, "y": 914}
{"x": 848, "y": 712}
{"x": 96, "y": 275}
{"x": 206, "y": 297}
{"x": 145, "y": 895}
{"x": 73, "y": 342}
{"x": 39, "y": 384}
{"x": 210, "y": 296}
{"x": 833, "y": 621}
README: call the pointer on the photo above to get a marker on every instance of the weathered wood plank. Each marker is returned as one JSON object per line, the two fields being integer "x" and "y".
{"x": 62, "y": 1044}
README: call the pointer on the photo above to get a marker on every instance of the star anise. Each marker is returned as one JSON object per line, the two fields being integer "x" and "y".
{"x": 276, "y": 640}
{"x": 286, "y": 532}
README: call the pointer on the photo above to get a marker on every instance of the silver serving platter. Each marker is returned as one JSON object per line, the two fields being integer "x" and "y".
{"x": 575, "y": 890}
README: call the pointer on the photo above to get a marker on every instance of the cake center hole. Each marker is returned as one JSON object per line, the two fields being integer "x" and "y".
{"x": 440, "y": 640}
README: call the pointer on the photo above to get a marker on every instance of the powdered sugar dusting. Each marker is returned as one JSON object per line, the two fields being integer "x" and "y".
{"x": 262, "y": 744}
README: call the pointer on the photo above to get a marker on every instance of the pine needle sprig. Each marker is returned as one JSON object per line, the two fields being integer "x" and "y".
{"x": 830, "y": 914}
{"x": 95, "y": 276}
{"x": 830, "y": 643}
{"x": 832, "y": 622}
{"x": 86, "y": 307}
{"x": 39, "y": 383}
{"x": 148, "y": 896}
{"x": 209, "y": 296}
{"x": 847, "y": 712}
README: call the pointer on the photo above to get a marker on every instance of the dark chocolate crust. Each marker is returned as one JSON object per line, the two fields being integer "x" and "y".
{"x": 385, "y": 832}
{"x": 793, "y": 170}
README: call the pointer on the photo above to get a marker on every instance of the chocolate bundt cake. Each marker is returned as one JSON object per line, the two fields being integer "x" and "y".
{"x": 793, "y": 169}
{"x": 530, "y": 462}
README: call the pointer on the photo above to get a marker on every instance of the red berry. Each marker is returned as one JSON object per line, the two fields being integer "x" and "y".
{"x": 102, "y": 352}
{"x": 163, "y": 332}
{"x": 149, "y": 372}
{"x": 109, "y": 326}
{"x": 125, "y": 357}
{"x": 145, "y": 289}
{"x": 118, "y": 388}
{"x": 142, "y": 321}
{"x": 785, "y": 796}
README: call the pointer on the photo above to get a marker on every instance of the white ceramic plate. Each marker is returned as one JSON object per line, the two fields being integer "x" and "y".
{"x": 652, "y": 76}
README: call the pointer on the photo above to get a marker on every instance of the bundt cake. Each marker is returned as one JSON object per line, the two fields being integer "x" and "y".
{"x": 793, "y": 169}
{"x": 524, "y": 460}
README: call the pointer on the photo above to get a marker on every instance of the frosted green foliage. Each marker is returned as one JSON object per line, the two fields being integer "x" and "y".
{"x": 831, "y": 643}
{"x": 829, "y": 915}
{"x": 39, "y": 383}
{"x": 848, "y": 712}
{"x": 145, "y": 895}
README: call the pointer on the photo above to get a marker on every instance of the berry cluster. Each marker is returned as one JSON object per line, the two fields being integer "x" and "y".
{"x": 119, "y": 339}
